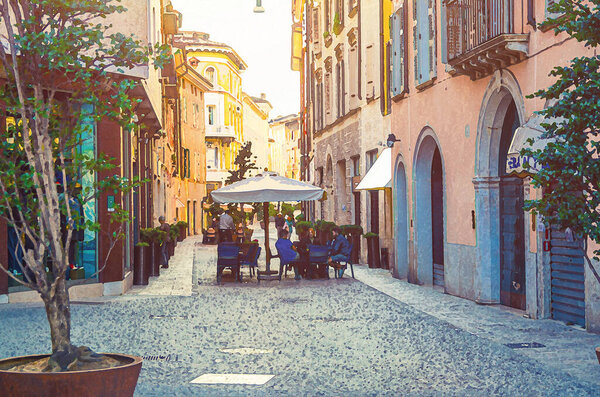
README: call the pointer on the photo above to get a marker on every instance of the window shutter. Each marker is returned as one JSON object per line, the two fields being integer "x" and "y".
{"x": 398, "y": 34}
{"x": 425, "y": 58}
{"x": 432, "y": 40}
{"x": 394, "y": 34}
{"x": 416, "y": 41}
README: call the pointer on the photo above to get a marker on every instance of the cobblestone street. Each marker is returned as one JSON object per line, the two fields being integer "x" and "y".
{"x": 370, "y": 336}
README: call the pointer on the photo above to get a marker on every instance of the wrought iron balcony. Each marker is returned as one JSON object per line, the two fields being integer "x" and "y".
{"x": 481, "y": 36}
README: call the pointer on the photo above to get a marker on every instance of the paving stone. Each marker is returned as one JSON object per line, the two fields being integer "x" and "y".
{"x": 325, "y": 337}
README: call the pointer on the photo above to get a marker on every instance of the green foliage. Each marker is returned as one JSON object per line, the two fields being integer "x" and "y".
{"x": 356, "y": 230}
{"x": 324, "y": 226}
{"x": 300, "y": 218}
{"x": 570, "y": 174}
{"x": 370, "y": 235}
{"x": 303, "y": 226}
{"x": 59, "y": 62}
{"x": 337, "y": 24}
{"x": 288, "y": 209}
{"x": 152, "y": 235}
{"x": 242, "y": 164}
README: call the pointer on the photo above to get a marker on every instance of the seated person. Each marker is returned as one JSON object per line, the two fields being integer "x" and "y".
{"x": 287, "y": 252}
{"x": 340, "y": 251}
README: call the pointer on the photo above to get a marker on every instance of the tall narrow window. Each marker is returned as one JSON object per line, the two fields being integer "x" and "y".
{"x": 209, "y": 73}
{"x": 211, "y": 114}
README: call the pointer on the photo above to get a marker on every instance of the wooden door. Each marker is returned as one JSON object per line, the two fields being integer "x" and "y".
{"x": 437, "y": 218}
{"x": 512, "y": 243}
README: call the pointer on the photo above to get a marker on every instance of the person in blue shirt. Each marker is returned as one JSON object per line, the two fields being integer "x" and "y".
{"x": 340, "y": 249}
{"x": 287, "y": 252}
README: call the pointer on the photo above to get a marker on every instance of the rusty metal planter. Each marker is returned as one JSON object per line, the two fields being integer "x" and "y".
{"x": 117, "y": 382}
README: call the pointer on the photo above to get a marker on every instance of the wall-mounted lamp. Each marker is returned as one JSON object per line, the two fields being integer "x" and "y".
{"x": 391, "y": 139}
{"x": 259, "y": 8}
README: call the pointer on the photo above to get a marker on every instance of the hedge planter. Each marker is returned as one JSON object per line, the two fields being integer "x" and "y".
{"x": 355, "y": 254}
{"x": 140, "y": 277}
{"x": 118, "y": 381}
{"x": 182, "y": 234}
{"x": 148, "y": 260}
{"x": 373, "y": 258}
{"x": 171, "y": 248}
{"x": 156, "y": 259}
{"x": 77, "y": 273}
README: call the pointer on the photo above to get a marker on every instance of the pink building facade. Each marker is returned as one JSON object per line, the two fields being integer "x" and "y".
{"x": 461, "y": 73}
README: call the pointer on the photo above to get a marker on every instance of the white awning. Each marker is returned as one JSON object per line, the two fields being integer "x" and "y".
{"x": 379, "y": 175}
{"x": 519, "y": 165}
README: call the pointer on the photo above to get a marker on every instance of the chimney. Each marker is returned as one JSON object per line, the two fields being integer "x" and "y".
{"x": 263, "y": 96}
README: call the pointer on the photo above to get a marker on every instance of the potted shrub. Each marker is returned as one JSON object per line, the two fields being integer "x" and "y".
{"x": 302, "y": 227}
{"x": 324, "y": 229}
{"x": 373, "y": 258}
{"x": 181, "y": 227}
{"x": 173, "y": 234}
{"x": 56, "y": 85}
{"x": 140, "y": 265}
{"x": 353, "y": 234}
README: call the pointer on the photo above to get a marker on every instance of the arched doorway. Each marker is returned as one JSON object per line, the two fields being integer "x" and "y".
{"x": 429, "y": 211}
{"x": 502, "y": 239}
{"x": 401, "y": 220}
{"x": 512, "y": 222}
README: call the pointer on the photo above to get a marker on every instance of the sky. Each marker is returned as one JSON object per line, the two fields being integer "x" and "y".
{"x": 262, "y": 40}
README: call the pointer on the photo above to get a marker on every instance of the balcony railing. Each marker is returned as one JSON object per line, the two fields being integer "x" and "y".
{"x": 220, "y": 131}
{"x": 481, "y": 36}
{"x": 473, "y": 22}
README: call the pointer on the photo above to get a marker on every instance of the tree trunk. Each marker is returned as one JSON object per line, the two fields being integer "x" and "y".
{"x": 58, "y": 312}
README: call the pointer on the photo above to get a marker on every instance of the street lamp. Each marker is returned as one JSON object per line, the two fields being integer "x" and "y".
{"x": 259, "y": 8}
{"x": 391, "y": 139}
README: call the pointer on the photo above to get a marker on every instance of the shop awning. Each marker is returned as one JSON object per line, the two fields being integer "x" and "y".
{"x": 179, "y": 204}
{"x": 379, "y": 175}
{"x": 519, "y": 165}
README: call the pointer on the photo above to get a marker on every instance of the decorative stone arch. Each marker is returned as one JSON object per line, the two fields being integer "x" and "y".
{"x": 502, "y": 90}
{"x": 401, "y": 223}
{"x": 425, "y": 148}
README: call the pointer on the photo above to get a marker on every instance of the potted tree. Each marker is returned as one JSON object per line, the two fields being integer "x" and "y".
{"x": 324, "y": 229}
{"x": 569, "y": 161}
{"x": 54, "y": 86}
{"x": 353, "y": 234}
{"x": 181, "y": 228}
{"x": 373, "y": 258}
{"x": 141, "y": 265}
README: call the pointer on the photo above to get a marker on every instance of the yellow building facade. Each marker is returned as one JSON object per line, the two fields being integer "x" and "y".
{"x": 223, "y": 111}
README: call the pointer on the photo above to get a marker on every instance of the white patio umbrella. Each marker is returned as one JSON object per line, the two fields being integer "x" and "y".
{"x": 266, "y": 188}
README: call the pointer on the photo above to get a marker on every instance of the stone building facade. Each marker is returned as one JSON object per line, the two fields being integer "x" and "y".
{"x": 459, "y": 89}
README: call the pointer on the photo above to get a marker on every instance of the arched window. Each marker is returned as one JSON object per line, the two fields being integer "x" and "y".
{"x": 209, "y": 73}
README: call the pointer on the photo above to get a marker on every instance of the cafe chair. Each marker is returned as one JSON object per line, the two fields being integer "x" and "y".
{"x": 344, "y": 265}
{"x": 228, "y": 256}
{"x": 251, "y": 259}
